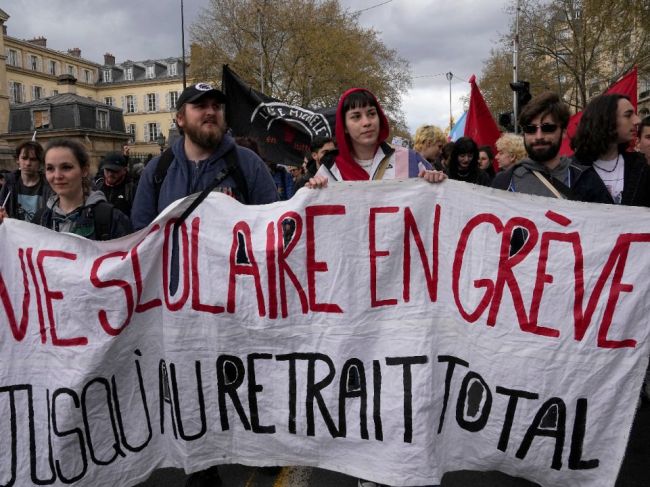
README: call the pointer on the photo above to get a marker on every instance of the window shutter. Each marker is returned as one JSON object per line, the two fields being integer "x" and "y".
{"x": 146, "y": 103}
{"x": 146, "y": 132}
{"x": 157, "y": 102}
{"x": 135, "y": 103}
{"x": 23, "y": 98}
{"x": 33, "y": 92}
{"x": 124, "y": 104}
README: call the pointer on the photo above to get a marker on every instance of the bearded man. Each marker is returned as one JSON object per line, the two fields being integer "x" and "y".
{"x": 198, "y": 157}
{"x": 544, "y": 172}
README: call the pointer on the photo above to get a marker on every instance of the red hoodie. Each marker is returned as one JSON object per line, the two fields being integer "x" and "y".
{"x": 349, "y": 169}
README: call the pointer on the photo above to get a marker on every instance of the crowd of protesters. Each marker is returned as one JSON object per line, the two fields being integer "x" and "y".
{"x": 52, "y": 186}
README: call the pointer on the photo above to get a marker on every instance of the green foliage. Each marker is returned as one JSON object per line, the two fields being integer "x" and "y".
{"x": 573, "y": 47}
{"x": 311, "y": 51}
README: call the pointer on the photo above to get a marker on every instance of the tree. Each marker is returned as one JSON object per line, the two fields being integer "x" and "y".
{"x": 303, "y": 52}
{"x": 574, "y": 47}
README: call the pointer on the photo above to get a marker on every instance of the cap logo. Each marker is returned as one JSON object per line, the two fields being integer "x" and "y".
{"x": 203, "y": 87}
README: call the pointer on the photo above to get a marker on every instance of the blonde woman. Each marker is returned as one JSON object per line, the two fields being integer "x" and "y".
{"x": 429, "y": 141}
{"x": 510, "y": 149}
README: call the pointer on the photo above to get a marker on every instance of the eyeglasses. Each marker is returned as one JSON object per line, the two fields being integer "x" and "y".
{"x": 547, "y": 128}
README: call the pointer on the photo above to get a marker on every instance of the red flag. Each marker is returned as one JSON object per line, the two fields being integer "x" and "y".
{"x": 627, "y": 86}
{"x": 479, "y": 124}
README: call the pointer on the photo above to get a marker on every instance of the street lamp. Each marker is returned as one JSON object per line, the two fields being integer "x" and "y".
{"x": 161, "y": 141}
{"x": 450, "y": 76}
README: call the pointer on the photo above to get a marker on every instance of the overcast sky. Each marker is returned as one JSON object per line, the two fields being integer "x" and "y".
{"x": 436, "y": 36}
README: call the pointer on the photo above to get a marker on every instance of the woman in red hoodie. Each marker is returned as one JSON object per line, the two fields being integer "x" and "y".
{"x": 363, "y": 154}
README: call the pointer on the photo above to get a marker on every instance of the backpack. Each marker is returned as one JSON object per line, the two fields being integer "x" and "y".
{"x": 232, "y": 164}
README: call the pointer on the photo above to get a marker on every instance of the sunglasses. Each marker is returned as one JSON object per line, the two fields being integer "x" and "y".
{"x": 547, "y": 128}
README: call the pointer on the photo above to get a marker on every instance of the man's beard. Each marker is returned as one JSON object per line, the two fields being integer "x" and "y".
{"x": 545, "y": 153}
{"x": 204, "y": 137}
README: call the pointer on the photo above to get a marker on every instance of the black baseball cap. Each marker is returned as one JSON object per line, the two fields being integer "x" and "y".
{"x": 114, "y": 161}
{"x": 199, "y": 90}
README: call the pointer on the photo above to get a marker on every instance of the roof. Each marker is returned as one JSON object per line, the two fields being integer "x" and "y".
{"x": 63, "y": 99}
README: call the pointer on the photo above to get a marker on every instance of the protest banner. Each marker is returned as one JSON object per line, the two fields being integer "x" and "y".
{"x": 392, "y": 331}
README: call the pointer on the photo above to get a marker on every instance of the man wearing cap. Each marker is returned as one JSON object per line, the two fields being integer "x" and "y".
{"x": 203, "y": 151}
{"x": 116, "y": 183}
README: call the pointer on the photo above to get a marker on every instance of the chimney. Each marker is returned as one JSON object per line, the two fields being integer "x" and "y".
{"x": 109, "y": 59}
{"x": 75, "y": 51}
{"x": 38, "y": 41}
{"x": 67, "y": 84}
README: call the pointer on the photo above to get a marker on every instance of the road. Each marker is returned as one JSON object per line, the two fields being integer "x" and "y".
{"x": 634, "y": 472}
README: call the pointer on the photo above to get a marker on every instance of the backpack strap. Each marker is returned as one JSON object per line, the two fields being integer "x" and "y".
{"x": 232, "y": 162}
{"x": 164, "y": 162}
{"x": 103, "y": 219}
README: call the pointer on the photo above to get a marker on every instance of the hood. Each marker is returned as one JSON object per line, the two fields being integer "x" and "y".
{"x": 558, "y": 172}
{"x": 349, "y": 169}
{"x": 92, "y": 199}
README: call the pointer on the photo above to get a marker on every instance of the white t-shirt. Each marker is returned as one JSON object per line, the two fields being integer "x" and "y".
{"x": 612, "y": 173}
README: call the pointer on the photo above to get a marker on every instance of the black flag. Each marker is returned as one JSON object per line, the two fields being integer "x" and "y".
{"x": 283, "y": 132}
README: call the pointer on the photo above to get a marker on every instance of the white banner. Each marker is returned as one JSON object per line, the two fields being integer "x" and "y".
{"x": 392, "y": 331}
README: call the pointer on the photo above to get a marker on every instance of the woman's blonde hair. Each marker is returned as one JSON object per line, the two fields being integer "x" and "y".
{"x": 428, "y": 132}
{"x": 512, "y": 144}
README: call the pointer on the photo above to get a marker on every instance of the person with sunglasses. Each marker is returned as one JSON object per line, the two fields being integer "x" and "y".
{"x": 614, "y": 174}
{"x": 544, "y": 172}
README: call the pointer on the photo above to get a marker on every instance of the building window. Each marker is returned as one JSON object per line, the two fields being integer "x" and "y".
{"x": 72, "y": 70}
{"x": 130, "y": 129}
{"x": 151, "y": 132}
{"x": 173, "y": 98}
{"x": 88, "y": 76}
{"x": 102, "y": 119}
{"x": 152, "y": 102}
{"x": 41, "y": 119}
{"x": 172, "y": 69}
{"x": 108, "y": 100}
{"x": 55, "y": 92}
{"x": 128, "y": 74}
{"x": 130, "y": 104}
{"x": 108, "y": 76}
{"x": 52, "y": 69}
{"x": 12, "y": 58}
{"x": 151, "y": 72}
{"x": 33, "y": 63}
{"x": 16, "y": 92}
{"x": 37, "y": 92}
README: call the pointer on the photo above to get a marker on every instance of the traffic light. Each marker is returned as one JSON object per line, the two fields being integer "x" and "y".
{"x": 522, "y": 88}
{"x": 507, "y": 121}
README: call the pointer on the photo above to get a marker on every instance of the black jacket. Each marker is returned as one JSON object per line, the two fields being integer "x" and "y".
{"x": 636, "y": 184}
{"x": 12, "y": 184}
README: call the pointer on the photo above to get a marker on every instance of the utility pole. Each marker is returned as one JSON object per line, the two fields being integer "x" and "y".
{"x": 515, "y": 70}
{"x": 450, "y": 76}
{"x": 183, "y": 44}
